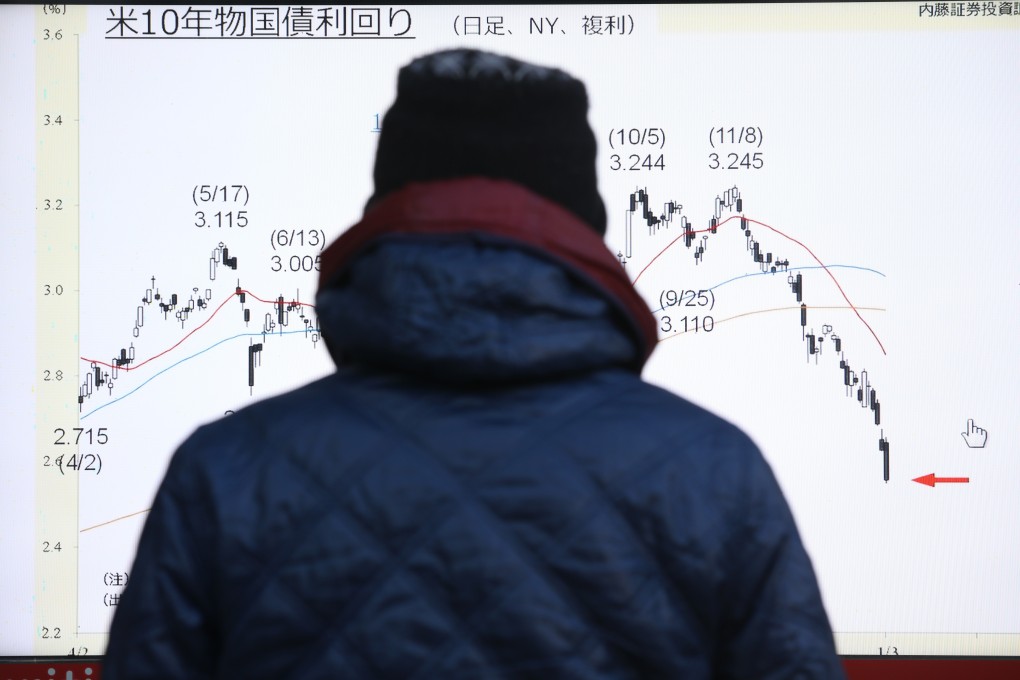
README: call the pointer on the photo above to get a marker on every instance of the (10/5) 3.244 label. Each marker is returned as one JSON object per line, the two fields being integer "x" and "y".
{"x": 751, "y": 160}
{"x": 636, "y": 161}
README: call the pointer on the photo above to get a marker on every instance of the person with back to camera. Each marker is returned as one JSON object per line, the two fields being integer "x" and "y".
{"x": 485, "y": 488}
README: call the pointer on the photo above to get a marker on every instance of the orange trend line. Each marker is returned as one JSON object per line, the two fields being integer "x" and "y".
{"x": 668, "y": 337}
{"x": 787, "y": 237}
{"x": 194, "y": 330}
{"x": 115, "y": 519}
{"x": 764, "y": 311}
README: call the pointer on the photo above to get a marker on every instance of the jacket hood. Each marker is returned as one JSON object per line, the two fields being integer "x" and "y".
{"x": 478, "y": 280}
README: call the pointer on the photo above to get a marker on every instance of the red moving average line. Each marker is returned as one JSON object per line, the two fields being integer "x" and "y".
{"x": 177, "y": 344}
{"x": 787, "y": 237}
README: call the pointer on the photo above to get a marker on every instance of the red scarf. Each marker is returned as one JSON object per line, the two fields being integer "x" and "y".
{"x": 505, "y": 211}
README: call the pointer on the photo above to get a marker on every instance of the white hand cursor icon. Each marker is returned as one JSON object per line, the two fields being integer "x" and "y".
{"x": 975, "y": 436}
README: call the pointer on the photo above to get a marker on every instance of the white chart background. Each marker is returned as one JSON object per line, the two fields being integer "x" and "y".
{"x": 890, "y": 154}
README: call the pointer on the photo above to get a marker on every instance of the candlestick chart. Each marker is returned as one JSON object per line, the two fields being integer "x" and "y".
{"x": 189, "y": 312}
{"x": 177, "y": 340}
{"x": 784, "y": 264}
{"x": 829, "y": 261}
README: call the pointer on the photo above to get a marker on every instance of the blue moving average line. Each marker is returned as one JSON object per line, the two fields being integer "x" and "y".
{"x": 187, "y": 358}
{"x": 245, "y": 335}
{"x": 789, "y": 269}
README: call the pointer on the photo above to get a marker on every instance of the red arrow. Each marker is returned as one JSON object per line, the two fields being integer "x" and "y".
{"x": 932, "y": 480}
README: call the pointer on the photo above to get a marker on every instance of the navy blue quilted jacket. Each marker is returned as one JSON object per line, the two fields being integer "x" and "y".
{"x": 484, "y": 489}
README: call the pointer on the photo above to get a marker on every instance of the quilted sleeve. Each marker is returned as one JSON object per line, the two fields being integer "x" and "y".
{"x": 774, "y": 623}
{"x": 162, "y": 627}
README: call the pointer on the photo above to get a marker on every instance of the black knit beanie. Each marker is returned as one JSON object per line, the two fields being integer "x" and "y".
{"x": 461, "y": 113}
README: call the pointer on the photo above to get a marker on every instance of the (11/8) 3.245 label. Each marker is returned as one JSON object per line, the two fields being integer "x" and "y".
{"x": 736, "y": 161}
{"x": 736, "y": 148}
